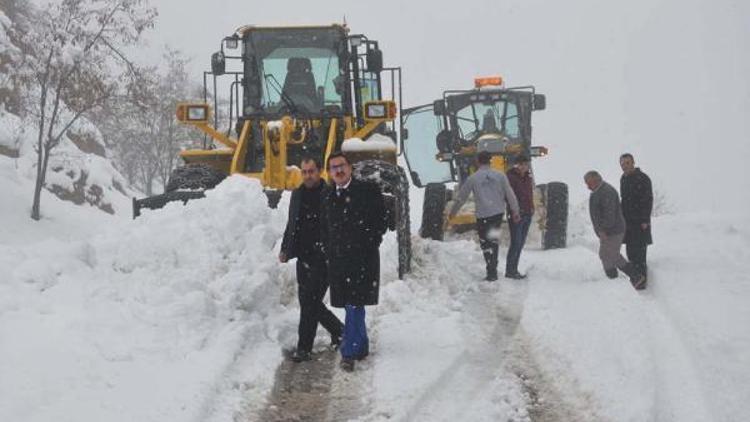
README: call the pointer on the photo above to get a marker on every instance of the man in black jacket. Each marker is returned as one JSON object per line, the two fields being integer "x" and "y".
{"x": 302, "y": 241}
{"x": 637, "y": 203}
{"x": 353, "y": 222}
{"x": 609, "y": 226}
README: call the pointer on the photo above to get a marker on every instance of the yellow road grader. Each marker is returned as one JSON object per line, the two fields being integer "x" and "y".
{"x": 296, "y": 92}
{"x": 444, "y": 138}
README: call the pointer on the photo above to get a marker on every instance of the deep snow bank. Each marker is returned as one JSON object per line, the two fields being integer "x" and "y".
{"x": 147, "y": 320}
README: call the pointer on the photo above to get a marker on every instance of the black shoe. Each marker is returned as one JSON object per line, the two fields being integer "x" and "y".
{"x": 611, "y": 273}
{"x": 301, "y": 356}
{"x": 347, "y": 364}
{"x": 491, "y": 276}
{"x": 515, "y": 276}
{"x": 639, "y": 282}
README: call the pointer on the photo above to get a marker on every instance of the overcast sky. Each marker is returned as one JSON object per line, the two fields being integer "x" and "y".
{"x": 663, "y": 79}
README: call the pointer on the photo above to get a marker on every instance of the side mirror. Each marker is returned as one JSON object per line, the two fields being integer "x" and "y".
{"x": 404, "y": 134}
{"x": 218, "y": 63}
{"x": 374, "y": 60}
{"x": 443, "y": 141}
{"x": 540, "y": 102}
{"x": 439, "y": 107}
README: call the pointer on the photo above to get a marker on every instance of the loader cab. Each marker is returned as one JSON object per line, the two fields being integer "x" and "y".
{"x": 445, "y": 136}
{"x": 323, "y": 78}
{"x": 297, "y": 71}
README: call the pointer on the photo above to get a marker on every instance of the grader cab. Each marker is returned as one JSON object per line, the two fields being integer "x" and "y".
{"x": 296, "y": 92}
{"x": 445, "y": 137}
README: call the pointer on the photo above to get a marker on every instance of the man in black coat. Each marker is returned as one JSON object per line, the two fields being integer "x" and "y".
{"x": 353, "y": 222}
{"x": 302, "y": 241}
{"x": 637, "y": 204}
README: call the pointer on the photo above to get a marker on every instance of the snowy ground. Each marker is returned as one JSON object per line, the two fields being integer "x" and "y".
{"x": 181, "y": 316}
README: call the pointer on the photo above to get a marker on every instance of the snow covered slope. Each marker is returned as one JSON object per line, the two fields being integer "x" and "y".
{"x": 181, "y": 315}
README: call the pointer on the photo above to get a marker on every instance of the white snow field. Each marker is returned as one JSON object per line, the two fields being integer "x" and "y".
{"x": 181, "y": 315}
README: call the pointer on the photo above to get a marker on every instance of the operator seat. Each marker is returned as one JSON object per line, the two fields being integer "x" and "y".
{"x": 489, "y": 125}
{"x": 299, "y": 83}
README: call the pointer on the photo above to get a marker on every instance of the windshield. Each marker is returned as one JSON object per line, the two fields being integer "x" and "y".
{"x": 489, "y": 117}
{"x": 295, "y": 70}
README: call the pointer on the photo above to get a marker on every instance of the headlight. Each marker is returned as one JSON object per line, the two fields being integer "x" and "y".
{"x": 197, "y": 113}
{"x": 375, "y": 111}
{"x": 193, "y": 113}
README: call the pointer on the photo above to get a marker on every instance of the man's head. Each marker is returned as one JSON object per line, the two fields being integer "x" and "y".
{"x": 310, "y": 172}
{"x": 339, "y": 168}
{"x": 522, "y": 163}
{"x": 483, "y": 158}
{"x": 627, "y": 163}
{"x": 593, "y": 179}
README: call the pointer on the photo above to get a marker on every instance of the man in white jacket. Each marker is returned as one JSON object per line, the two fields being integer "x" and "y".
{"x": 492, "y": 194}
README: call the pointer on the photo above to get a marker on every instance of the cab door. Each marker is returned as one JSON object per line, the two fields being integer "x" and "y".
{"x": 420, "y": 146}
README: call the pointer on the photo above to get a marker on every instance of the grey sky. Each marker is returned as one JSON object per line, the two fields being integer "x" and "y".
{"x": 663, "y": 79}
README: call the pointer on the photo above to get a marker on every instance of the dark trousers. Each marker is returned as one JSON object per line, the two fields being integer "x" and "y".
{"x": 311, "y": 288}
{"x": 489, "y": 240}
{"x": 518, "y": 232}
{"x": 356, "y": 344}
{"x": 637, "y": 256}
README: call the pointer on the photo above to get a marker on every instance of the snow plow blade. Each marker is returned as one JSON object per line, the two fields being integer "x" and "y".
{"x": 158, "y": 201}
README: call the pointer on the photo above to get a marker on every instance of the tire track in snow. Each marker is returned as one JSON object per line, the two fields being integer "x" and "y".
{"x": 495, "y": 361}
{"x": 677, "y": 394}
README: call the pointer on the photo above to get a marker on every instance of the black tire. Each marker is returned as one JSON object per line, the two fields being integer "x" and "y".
{"x": 274, "y": 196}
{"x": 197, "y": 176}
{"x": 433, "y": 211}
{"x": 395, "y": 187}
{"x": 555, "y": 233}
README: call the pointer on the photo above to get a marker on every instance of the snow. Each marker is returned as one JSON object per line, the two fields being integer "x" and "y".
{"x": 376, "y": 142}
{"x": 181, "y": 315}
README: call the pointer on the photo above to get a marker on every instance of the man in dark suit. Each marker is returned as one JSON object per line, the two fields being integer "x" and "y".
{"x": 353, "y": 222}
{"x": 637, "y": 204}
{"x": 302, "y": 241}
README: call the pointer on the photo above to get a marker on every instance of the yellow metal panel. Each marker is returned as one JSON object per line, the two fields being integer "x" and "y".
{"x": 238, "y": 162}
{"x": 498, "y": 163}
{"x": 462, "y": 219}
{"x": 330, "y": 145}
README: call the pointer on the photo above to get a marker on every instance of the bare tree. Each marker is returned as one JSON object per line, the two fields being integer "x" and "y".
{"x": 78, "y": 65}
{"x": 142, "y": 128}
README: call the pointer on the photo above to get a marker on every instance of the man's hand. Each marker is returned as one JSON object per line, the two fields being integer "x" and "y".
{"x": 644, "y": 226}
{"x": 282, "y": 257}
{"x": 516, "y": 218}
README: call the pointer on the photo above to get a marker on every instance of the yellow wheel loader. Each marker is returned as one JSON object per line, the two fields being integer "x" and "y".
{"x": 296, "y": 92}
{"x": 442, "y": 141}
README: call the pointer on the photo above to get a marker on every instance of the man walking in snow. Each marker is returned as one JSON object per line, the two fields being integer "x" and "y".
{"x": 609, "y": 225}
{"x": 523, "y": 187}
{"x": 302, "y": 241}
{"x": 637, "y": 203}
{"x": 353, "y": 222}
{"x": 492, "y": 193}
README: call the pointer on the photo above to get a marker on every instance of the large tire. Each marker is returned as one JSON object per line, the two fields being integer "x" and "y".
{"x": 196, "y": 176}
{"x": 274, "y": 196}
{"x": 555, "y": 232}
{"x": 433, "y": 211}
{"x": 395, "y": 187}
